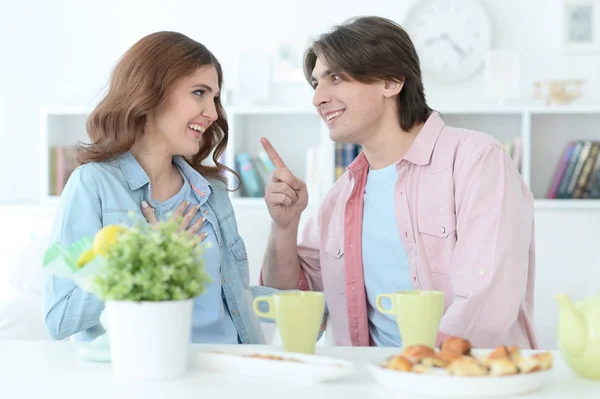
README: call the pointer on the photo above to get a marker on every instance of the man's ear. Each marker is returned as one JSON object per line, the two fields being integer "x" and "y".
{"x": 392, "y": 87}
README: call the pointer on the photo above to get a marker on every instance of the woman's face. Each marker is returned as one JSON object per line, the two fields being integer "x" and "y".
{"x": 178, "y": 123}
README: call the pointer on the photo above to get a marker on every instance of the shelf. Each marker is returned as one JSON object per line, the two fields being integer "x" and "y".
{"x": 476, "y": 109}
{"x": 544, "y": 132}
{"x": 565, "y": 109}
{"x": 582, "y": 204}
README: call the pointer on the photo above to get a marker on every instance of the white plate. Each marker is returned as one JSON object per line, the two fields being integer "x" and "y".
{"x": 309, "y": 369}
{"x": 445, "y": 385}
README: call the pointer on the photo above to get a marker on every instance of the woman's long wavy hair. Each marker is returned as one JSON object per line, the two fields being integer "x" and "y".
{"x": 142, "y": 79}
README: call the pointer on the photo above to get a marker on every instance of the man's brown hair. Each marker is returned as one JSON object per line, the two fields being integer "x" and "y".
{"x": 370, "y": 49}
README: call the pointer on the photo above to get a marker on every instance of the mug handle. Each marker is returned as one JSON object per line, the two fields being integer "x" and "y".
{"x": 380, "y": 306}
{"x": 270, "y": 314}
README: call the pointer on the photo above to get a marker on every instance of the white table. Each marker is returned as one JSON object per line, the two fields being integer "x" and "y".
{"x": 48, "y": 370}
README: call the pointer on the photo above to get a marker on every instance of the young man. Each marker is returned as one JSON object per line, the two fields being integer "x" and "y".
{"x": 425, "y": 206}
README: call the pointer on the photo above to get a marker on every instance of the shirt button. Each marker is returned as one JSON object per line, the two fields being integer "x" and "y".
{"x": 482, "y": 272}
{"x": 247, "y": 341}
{"x": 205, "y": 212}
{"x": 234, "y": 312}
{"x": 443, "y": 230}
{"x": 353, "y": 288}
{"x": 224, "y": 280}
{"x": 355, "y": 331}
{"x": 339, "y": 252}
{"x": 406, "y": 234}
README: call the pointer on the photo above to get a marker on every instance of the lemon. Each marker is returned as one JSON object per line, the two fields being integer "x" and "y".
{"x": 106, "y": 238}
{"x": 85, "y": 257}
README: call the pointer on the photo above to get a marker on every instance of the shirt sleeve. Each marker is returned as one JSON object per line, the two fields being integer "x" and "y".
{"x": 67, "y": 308}
{"x": 491, "y": 264}
{"x": 309, "y": 255}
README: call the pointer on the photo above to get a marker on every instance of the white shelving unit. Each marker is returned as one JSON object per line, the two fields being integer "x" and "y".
{"x": 544, "y": 132}
{"x": 60, "y": 126}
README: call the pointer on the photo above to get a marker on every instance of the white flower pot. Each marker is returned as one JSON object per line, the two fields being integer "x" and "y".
{"x": 149, "y": 340}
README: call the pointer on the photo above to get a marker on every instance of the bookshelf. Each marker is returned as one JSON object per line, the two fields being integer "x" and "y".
{"x": 543, "y": 132}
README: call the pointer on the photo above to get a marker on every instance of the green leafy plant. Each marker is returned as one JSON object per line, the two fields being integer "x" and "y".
{"x": 155, "y": 263}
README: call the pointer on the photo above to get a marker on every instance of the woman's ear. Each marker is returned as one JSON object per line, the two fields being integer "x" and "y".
{"x": 392, "y": 87}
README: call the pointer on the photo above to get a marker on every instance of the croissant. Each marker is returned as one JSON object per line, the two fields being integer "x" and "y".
{"x": 399, "y": 363}
{"x": 499, "y": 353}
{"x": 502, "y": 366}
{"x": 467, "y": 366}
{"x": 416, "y": 353}
{"x": 441, "y": 359}
{"x": 434, "y": 361}
{"x": 544, "y": 360}
{"x": 456, "y": 345}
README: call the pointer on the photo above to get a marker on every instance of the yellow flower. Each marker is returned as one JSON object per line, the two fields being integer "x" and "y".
{"x": 106, "y": 238}
{"x": 85, "y": 257}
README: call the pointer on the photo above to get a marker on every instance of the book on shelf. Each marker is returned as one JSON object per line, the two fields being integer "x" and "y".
{"x": 345, "y": 153}
{"x": 578, "y": 172}
{"x": 62, "y": 161}
{"x": 255, "y": 172}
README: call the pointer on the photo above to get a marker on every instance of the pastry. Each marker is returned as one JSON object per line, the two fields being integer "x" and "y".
{"x": 499, "y": 352}
{"x": 502, "y": 366}
{"x": 544, "y": 359}
{"x": 416, "y": 353}
{"x": 527, "y": 364}
{"x": 456, "y": 345}
{"x": 442, "y": 359}
{"x": 466, "y": 366}
{"x": 399, "y": 363}
{"x": 456, "y": 357}
{"x": 434, "y": 361}
{"x": 448, "y": 356}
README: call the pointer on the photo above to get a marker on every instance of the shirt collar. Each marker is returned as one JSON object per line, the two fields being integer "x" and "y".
{"x": 136, "y": 175}
{"x": 419, "y": 152}
{"x": 421, "y": 149}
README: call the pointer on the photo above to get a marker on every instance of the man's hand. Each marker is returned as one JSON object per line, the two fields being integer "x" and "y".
{"x": 285, "y": 195}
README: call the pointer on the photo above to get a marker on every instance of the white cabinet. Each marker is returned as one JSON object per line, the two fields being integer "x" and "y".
{"x": 543, "y": 133}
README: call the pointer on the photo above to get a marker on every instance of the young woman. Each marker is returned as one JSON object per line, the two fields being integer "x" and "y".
{"x": 160, "y": 120}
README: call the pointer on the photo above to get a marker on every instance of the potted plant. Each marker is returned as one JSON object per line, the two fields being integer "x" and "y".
{"x": 148, "y": 280}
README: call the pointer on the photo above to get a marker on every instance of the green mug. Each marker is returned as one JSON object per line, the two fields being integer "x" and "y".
{"x": 418, "y": 314}
{"x": 298, "y": 315}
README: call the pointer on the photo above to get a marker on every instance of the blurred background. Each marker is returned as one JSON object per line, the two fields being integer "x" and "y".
{"x": 524, "y": 71}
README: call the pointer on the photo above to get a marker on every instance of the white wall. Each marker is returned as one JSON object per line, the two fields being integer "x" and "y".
{"x": 61, "y": 52}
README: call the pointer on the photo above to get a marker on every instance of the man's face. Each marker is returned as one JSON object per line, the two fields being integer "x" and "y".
{"x": 351, "y": 109}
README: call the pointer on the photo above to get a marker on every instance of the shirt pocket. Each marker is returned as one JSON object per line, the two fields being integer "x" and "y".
{"x": 335, "y": 249}
{"x": 238, "y": 250}
{"x": 333, "y": 271}
{"x": 438, "y": 235}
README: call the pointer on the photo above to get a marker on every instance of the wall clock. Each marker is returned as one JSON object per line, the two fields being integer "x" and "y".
{"x": 452, "y": 37}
